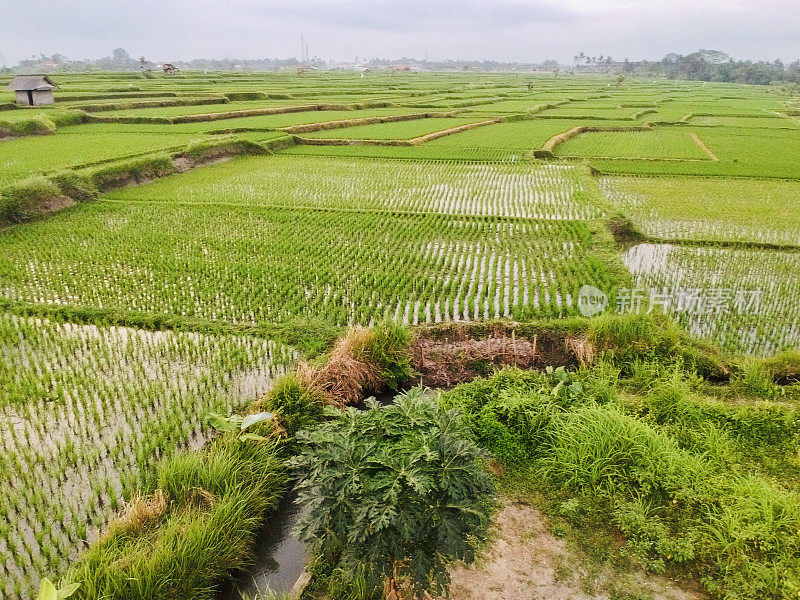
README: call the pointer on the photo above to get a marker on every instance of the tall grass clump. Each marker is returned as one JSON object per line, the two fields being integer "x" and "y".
{"x": 784, "y": 367}
{"x": 389, "y": 349}
{"x": 296, "y": 405}
{"x": 697, "y": 486}
{"x": 192, "y": 532}
{"x": 362, "y": 361}
{"x": 22, "y": 200}
{"x": 628, "y": 340}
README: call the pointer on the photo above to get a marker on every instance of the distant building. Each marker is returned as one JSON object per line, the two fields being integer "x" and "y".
{"x": 169, "y": 69}
{"x": 33, "y": 90}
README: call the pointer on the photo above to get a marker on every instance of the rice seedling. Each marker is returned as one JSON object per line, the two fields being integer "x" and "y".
{"x": 83, "y": 405}
{"x": 767, "y": 324}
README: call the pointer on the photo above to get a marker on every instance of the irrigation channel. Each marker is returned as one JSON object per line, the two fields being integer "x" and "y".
{"x": 279, "y": 557}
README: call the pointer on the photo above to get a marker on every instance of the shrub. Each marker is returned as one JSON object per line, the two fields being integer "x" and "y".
{"x": 296, "y": 406}
{"x": 21, "y": 200}
{"x": 393, "y": 493}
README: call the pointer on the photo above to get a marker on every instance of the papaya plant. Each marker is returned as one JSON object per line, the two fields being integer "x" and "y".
{"x": 393, "y": 493}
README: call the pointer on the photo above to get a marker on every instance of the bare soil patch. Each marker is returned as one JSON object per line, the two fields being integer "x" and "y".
{"x": 457, "y": 356}
{"x": 526, "y": 562}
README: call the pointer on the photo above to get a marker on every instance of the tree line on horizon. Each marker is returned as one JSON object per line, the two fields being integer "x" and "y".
{"x": 703, "y": 65}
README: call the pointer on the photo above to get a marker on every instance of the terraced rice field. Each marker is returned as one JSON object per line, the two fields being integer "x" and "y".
{"x": 744, "y": 326}
{"x": 548, "y": 192}
{"x": 86, "y": 413}
{"x": 676, "y": 144}
{"x": 466, "y": 227}
{"x": 249, "y": 264}
{"x": 710, "y": 209}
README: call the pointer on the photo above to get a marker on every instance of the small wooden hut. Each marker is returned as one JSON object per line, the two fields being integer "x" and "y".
{"x": 33, "y": 90}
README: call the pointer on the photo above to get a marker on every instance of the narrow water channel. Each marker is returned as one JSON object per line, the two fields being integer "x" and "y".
{"x": 279, "y": 557}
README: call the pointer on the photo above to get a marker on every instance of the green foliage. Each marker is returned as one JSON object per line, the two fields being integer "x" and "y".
{"x": 69, "y": 117}
{"x": 48, "y": 591}
{"x": 74, "y": 185}
{"x": 215, "y": 501}
{"x": 135, "y": 170}
{"x": 784, "y": 367}
{"x": 238, "y": 424}
{"x": 694, "y": 483}
{"x": 229, "y": 146}
{"x": 394, "y": 493}
{"x": 634, "y": 341}
{"x": 755, "y": 379}
{"x": 38, "y": 125}
{"x": 295, "y": 406}
{"x": 22, "y": 200}
{"x": 388, "y": 347}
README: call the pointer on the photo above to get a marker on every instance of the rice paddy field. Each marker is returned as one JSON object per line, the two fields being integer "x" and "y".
{"x": 339, "y": 215}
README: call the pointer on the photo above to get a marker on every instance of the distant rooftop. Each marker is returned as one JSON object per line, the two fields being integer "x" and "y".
{"x": 24, "y": 83}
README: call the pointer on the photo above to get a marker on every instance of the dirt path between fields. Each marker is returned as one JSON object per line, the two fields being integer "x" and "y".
{"x": 527, "y": 562}
{"x": 699, "y": 141}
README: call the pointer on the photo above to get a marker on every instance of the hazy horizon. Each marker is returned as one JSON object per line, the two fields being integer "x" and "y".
{"x": 341, "y": 30}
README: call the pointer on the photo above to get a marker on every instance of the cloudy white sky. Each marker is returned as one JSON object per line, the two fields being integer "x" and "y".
{"x": 505, "y": 30}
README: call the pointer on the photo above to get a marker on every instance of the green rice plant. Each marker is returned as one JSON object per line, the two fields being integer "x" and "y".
{"x": 732, "y": 210}
{"x": 88, "y": 411}
{"x": 759, "y": 316}
{"x": 453, "y": 268}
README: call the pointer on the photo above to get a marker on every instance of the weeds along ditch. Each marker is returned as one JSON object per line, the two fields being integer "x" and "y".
{"x": 698, "y": 477}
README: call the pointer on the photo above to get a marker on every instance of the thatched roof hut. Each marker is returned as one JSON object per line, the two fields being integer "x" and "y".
{"x": 33, "y": 90}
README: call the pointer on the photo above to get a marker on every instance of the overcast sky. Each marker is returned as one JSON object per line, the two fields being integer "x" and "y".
{"x": 504, "y": 30}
